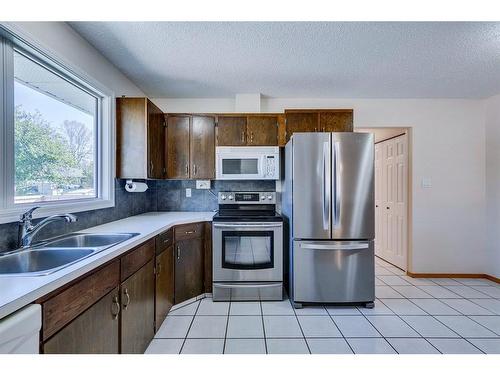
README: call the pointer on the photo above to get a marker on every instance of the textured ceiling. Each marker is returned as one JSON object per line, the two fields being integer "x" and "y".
{"x": 307, "y": 59}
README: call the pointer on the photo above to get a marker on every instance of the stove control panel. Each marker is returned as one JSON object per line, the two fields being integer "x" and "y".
{"x": 247, "y": 197}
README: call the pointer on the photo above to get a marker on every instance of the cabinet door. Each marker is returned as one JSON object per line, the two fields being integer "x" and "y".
{"x": 231, "y": 131}
{"x": 178, "y": 147}
{"x": 202, "y": 147}
{"x": 301, "y": 122}
{"x": 188, "y": 269}
{"x": 336, "y": 121}
{"x": 137, "y": 301}
{"x": 93, "y": 332}
{"x": 156, "y": 141}
{"x": 164, "y": 298}
{"x": 262, "y": 131}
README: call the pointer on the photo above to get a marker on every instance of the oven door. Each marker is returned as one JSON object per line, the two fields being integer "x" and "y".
{"x": 247, "y": 252}
{"x": 239, "y": 167}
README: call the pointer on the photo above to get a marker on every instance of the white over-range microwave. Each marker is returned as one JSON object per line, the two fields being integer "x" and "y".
{"x": 247, "y": 163}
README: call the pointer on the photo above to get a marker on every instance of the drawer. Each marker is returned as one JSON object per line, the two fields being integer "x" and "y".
{"x": 164, "y": 240}
{"x": 188, "y": 231}
{"x": 65, "y": 306}
{"x": 136, "y": 258}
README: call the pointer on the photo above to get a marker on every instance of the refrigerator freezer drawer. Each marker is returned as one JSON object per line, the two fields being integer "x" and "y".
{"x": 333, "y": 272}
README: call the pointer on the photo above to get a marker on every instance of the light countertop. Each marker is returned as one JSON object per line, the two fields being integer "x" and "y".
{"x": 19, "y": 291}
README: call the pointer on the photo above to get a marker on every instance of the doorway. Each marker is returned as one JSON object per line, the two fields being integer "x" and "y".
{"x": 391, "y": 194}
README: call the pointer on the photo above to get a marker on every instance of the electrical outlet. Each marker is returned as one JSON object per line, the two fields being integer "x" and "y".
{"x": 202, "y": 184}
{"x": 188, "y": 193}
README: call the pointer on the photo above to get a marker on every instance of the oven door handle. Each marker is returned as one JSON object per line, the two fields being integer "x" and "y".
{"x": 231, "y": 286}
{"x": 260, "y": 226}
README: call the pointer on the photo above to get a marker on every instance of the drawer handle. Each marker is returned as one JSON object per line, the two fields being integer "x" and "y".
{"x": 115, "y": 308}
{"x": 190, "y": 232}
{"x": 127, "y": 296}
{"x": 166, "y": 241}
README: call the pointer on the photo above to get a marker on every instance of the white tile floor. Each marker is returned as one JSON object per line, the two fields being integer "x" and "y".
{"x": 411, "y": 316}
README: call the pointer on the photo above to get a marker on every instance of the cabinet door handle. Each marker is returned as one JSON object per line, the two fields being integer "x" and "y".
{"x": 115, "y": 308}
{"x": 242, "y": 137}
{"x": 127, "y": 301}
{"x": 178, "y": 253}
{"x": 158, "y": 268}
{"x": 251, "y": 137}
{"x": 194, "y": 169}
{"x": 151, "y": 168}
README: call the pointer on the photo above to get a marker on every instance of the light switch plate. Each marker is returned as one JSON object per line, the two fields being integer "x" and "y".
{"x": 188, "y": 193}
{"x": 202, "y": 184}
{"x": 426, "y": 182}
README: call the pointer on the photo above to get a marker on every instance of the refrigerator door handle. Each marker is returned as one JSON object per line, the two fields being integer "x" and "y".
{"x": 334, "y": 247}
{"x": 326, "y": 190}
{"x": 337, "y": 184}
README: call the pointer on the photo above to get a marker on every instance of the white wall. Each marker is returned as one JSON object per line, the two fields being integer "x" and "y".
{"x": 68, "y": 46}
{"x": 492, "y": 109}
{"x": 448, "y": 138}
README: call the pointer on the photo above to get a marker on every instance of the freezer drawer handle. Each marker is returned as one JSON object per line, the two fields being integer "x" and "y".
{"x": 334, "y": 247}
{"x": 231, "y": 286}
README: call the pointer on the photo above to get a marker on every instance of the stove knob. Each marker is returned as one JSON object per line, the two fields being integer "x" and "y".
{"x": 223, "y": 197}
{"x": 262, "y": 197}
{"x": 230, "y": 197}
{"x": 270, "y": 197}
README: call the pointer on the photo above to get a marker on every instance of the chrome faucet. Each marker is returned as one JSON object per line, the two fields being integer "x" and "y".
{"x": 27, "y": 230}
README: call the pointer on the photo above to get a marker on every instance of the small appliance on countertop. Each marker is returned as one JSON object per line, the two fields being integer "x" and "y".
{"x": 247, "y": 248}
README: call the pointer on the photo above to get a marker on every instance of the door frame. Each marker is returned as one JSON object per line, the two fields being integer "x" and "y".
{"x": 389, "y": 132}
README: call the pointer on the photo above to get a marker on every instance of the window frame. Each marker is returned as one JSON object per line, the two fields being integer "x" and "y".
{"x": 104, "y": 137}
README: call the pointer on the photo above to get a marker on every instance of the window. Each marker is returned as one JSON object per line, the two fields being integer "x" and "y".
{"x": 57, "y": 138}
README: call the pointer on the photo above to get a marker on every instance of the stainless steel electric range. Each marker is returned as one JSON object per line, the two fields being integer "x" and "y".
{"x": 247, "y": 248}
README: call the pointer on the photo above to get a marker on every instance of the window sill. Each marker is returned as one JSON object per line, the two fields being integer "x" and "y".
{"x": 12, "y": 214}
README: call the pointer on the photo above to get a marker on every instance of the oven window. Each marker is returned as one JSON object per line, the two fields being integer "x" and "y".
{"x": 240, "y": 166}
{"x": 247, "y": 250}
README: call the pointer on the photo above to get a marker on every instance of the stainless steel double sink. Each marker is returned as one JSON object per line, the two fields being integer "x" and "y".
{"x": 53, "y": 255}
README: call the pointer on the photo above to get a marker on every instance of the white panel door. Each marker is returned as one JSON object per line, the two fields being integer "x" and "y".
{"x": 378, "y": 200}
{"x": 391, "y": 222}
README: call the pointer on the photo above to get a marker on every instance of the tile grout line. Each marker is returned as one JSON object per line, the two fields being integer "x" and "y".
{"x": 227, "y": 325}
{"x": 342, "y": 333}
{"x": 300, "y": 327}
{"x": 190, "y": 325}
{"x": 263, "y": 326}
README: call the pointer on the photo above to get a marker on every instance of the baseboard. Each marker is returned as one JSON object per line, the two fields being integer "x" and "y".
{"x": 454, "y": 276}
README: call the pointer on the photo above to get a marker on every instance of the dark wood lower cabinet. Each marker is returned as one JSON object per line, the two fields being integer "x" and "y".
{"x": 95, "y": 331}
{"x": 137, "y": 316}
{"x": 188, "y": 269}
{"x": 164, "y": 298}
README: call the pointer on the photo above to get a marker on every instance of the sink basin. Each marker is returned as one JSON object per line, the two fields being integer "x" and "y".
{"x": 92, "y": 240}
{"x": 40, "y": 261}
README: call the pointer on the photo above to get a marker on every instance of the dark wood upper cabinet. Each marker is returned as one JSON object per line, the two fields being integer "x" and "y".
{"x": 138, "y": 310}
{"x": 298, "y": 121}
{"x": 262, "y": 130}
{"x": 189, "y": 266}
{"x": 164, "y": 298}
{"x": 94, "y": 331}
{"x": 202, "y": 147}
{"x": 231, "y": 131}
{"x": 139, "y": 139}
{"x": 156, "y": 142}
{"x": 178, "y": 147}
{"x": 336, "y": 120}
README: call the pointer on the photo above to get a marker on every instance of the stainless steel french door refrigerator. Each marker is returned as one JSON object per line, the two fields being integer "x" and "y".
{"x": 328, "y": 202}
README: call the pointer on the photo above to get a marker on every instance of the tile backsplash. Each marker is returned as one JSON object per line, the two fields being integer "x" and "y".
{"x": 162, "y": 195}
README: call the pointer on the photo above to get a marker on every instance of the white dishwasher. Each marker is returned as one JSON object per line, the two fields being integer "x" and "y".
{"x": 20, "y": 331}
